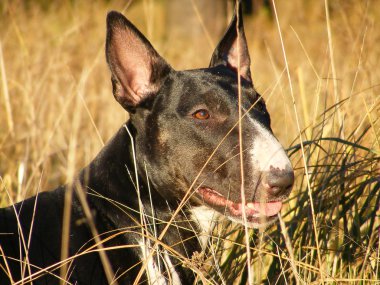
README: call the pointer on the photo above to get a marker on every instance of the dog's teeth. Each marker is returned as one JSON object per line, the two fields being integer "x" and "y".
{"x": 251, "y": 206}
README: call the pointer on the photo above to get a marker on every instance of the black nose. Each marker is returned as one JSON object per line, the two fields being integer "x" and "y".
{"x": 279, "y": 182}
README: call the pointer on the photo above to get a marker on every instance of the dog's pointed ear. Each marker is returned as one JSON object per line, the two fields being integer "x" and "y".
{"x": 232, "y": 46}
{"x": 138, "y": 71}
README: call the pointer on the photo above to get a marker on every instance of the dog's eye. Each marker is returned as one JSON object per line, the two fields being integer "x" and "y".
{"x": 201, "y": 114}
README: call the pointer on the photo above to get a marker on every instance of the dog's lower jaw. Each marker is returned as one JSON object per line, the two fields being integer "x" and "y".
{"x": 207, "y": 218}
{"x": 263, "y": 222}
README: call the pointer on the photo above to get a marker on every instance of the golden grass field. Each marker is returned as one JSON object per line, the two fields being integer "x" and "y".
{"x": 316, "y": 67}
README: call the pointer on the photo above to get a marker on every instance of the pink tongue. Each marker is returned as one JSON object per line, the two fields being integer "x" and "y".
{"x": 267, "y": 209}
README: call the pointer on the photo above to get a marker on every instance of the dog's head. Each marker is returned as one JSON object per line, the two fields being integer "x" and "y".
{"x": 187, "y": 130}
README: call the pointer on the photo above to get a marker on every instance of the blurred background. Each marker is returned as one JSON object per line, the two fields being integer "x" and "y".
{"x": 321, "y": 84}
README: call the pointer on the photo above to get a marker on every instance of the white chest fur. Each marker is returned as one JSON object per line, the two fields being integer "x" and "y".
{"x": 153, "y": 269}
{"x": 206, "y": 219}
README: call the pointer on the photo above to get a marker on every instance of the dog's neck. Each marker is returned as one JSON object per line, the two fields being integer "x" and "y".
{"x": 112, "y": 175}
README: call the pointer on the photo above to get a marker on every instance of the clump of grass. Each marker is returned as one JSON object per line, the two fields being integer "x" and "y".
{"x": 48, "y": 70}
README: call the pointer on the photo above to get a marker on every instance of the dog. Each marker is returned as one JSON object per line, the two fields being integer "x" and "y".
{"x": 190, "y": 154}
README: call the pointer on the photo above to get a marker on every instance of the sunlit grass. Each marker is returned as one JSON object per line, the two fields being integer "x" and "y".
{"x": 57, "y": 111}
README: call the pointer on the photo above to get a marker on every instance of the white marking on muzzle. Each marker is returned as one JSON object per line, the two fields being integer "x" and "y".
{"x": 267, "y": 152}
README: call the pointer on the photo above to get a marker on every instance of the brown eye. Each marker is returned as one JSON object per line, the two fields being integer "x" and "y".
{"x": 201, "y": 114}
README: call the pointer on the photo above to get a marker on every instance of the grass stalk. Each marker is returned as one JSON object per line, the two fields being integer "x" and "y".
{"x": 301, "y": 143}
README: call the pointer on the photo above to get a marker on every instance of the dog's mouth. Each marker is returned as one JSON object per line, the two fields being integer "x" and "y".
{"x": 256, "y": 213}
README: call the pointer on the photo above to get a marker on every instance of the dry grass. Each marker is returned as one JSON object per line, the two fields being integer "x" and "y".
{"x": 57, "y": 111}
